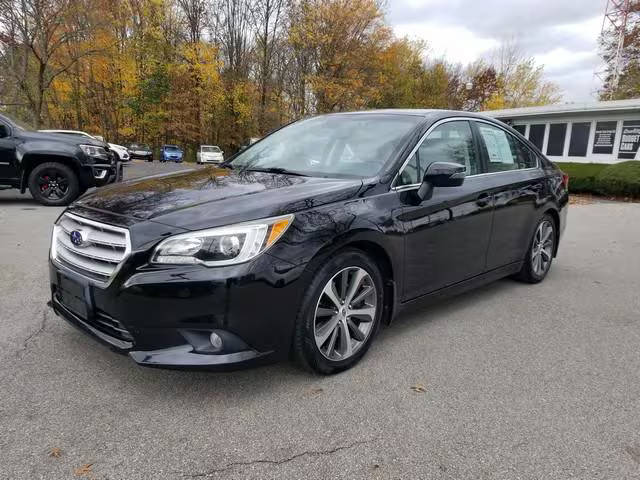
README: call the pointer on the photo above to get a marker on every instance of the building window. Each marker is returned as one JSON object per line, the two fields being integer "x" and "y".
{"x": 536, "y": 134}
{"x": 520, "y": 129}
{"x": 580, "y": 139}
{"x": 557, "y": 134}
{"x": 604, "y": 137}
{"x": 629, "y": 140}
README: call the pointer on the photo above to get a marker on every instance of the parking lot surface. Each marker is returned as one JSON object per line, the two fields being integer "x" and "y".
{"x": 509, "y": 381}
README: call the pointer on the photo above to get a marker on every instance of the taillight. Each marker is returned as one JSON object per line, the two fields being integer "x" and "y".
{"x": 565, "y": 180}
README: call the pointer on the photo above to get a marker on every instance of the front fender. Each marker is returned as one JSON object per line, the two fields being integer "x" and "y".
{"x": 32, "y": 149}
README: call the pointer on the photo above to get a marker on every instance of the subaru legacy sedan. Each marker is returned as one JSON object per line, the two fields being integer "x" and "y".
{"x": 303, "y": 244}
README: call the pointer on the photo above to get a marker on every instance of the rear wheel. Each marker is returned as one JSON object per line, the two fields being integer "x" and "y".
{"x": 340, "y": 313}
{"x": 54, "y": 184}
{"x": 540, "y": 253}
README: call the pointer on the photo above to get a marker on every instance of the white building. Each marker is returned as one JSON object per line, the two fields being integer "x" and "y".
{"x": 598, "y": 132}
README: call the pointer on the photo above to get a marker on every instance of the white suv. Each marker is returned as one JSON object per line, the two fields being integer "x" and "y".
{"x": 210, "y": 154}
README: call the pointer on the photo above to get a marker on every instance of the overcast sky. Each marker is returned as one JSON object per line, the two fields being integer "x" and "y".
{"x": 561, "y": 34}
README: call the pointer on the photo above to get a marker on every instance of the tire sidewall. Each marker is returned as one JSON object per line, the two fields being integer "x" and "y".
{"x": 532, "y": 273}
{"x": 312, "y": 357}
{"x": 73, "y": 190}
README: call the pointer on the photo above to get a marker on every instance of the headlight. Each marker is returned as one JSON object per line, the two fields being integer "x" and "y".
{"x": 95, "y": 152}
{"x": 224, "y": 245}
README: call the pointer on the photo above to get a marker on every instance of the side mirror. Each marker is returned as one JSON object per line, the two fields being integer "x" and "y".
{"x": 441, "y": 174}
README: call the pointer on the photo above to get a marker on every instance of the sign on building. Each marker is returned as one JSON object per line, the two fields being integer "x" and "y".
{"x": 630, "y": 139}
{"x": 604, "y": 138}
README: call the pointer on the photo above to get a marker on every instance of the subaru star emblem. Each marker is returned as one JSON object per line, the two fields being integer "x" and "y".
{"x": 76, "y": 238}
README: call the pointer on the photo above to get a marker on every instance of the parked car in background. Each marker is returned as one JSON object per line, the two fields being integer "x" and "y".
{"x": 56, "y": 168}
{"x": 141, "y": 151}
{"x": 278, "y": 254}
{"x": 171, "y": 153}
{"x": 209, "y": 154}
{"x": 119, "y": 150}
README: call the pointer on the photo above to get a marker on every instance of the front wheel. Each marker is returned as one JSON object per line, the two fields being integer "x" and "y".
{"x": 53, "y": 184}
{"x": 539, "y": 256}
{"x": 340, "y": 313}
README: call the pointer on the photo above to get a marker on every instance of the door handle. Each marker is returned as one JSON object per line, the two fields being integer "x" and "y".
{"x": 483, "y": 200}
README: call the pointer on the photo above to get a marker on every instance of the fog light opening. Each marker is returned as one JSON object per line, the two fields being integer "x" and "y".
{"x": 216, "y": 341}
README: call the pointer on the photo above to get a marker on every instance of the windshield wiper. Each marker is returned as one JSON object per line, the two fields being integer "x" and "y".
{"x": 279, "y": 170}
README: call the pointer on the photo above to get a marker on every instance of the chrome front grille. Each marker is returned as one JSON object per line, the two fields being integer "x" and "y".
{"x": 98, "y": 251}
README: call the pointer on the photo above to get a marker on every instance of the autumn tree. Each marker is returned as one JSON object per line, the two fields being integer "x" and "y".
{"x": 41, "y": 40}
{"x": 344, "y": 39}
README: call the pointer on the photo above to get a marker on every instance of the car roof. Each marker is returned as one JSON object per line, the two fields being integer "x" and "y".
{"x": 74, "y": 132}
{"x": 427, "y": 113}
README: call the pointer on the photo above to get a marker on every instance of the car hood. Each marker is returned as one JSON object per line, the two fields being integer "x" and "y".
{"x": 211, "y": 197}
{"x": 62, "y": 138}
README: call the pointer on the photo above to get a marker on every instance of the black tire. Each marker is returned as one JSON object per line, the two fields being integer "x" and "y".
{"x": 54, "y": 184}
{"x": 305, "y": 351}
{"x": 529, "y": 273}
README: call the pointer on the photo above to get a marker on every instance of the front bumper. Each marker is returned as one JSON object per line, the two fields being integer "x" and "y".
{"x": 164, "y": 317}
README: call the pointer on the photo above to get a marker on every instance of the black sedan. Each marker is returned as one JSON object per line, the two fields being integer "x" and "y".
{"x": 304, "y": 243}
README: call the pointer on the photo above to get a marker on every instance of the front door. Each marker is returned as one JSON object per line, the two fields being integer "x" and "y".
{"x": 8, "y": 167}
{"x": 447, "y": 235}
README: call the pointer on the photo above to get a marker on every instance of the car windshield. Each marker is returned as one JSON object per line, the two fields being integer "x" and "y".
{"x": 210, "y": 149}
{"x": 139, "y": 146}
{"x": 171, "y": 148}
{"x": 351, "y": 145}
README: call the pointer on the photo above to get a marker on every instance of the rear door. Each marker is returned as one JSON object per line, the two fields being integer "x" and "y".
{"x": 447, "y": 235}
{"x": 518, "y": 188}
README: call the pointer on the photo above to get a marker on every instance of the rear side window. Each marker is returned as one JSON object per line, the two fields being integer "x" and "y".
{"x": 504, "y": 151}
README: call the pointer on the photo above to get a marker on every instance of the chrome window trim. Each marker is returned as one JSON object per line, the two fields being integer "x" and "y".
{"x": 454, "y": 119}
{"x": 79, "y": 219}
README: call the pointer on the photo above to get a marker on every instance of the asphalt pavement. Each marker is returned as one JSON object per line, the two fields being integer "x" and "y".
{"x": 509, "y": 381}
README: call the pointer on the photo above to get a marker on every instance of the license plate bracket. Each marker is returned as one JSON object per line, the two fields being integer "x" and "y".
{"x": 72, "y": 296}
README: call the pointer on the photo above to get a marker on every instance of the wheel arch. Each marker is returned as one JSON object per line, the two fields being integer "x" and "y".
{"x": 31, "y": 160}
{"x": 370, "y": 243}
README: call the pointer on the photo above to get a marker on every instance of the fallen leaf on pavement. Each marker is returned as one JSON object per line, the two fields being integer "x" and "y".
{"x": 418, "y": 388}
{"x": 83, "y": 471}
{"x": 55, "y": 452}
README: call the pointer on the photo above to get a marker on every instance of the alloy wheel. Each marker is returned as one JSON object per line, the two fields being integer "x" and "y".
{"x": 345, "y": 313}
{"x": 53, "y": 184}
{"x": 542, "y": 249}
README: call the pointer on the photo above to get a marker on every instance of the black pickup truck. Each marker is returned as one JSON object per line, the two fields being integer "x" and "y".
{"x": 55, "y": 168}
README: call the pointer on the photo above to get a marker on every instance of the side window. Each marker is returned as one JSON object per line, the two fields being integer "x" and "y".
{"x": 504, "y": 152}
{"x": 410, "y": 173}
{"x": 4, "y": 131}
{"x": 449, "y": 142}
